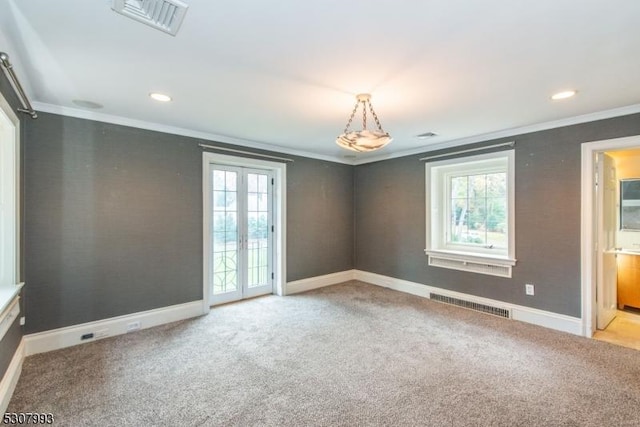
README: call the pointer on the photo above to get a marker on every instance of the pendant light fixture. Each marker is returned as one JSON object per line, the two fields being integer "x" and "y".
{"x": 363, "y": 140}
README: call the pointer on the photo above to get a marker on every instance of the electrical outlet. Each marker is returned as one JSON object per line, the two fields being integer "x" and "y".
{"x": 23, "y": 321}
{"x": 133, "y": 326}
{"x": 529, "y": 289}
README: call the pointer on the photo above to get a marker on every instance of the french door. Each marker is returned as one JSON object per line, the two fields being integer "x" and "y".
{"x": 241, "y": 233}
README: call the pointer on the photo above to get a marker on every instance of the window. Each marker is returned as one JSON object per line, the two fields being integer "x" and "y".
{"x": 470, "y": 213}
{"x": 9, "y": 225}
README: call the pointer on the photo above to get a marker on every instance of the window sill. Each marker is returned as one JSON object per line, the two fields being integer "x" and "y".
{"x": 492, "y": 265}
{"x": 9, "y": 308}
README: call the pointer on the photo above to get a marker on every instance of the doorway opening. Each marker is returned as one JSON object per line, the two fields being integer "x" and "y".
{"x": 611, "y": 240}
{"x": 244, "y": 228}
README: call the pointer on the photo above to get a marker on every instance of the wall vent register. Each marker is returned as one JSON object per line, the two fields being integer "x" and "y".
{"x": 482, "y": 308}
{"x": 474, "y": 267}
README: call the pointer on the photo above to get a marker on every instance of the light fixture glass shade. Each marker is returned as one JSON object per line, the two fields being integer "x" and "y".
{"x": 364, "y": 140}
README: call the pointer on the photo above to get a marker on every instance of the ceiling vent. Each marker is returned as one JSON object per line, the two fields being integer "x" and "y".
{"x": 164, "y": 15}
{"x": 426, "y": 135}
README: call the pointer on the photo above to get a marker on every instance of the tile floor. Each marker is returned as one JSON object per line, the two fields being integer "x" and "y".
{"x": 624, "y": 330}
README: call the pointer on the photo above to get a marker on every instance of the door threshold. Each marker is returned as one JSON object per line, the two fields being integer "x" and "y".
{"x": 240, "y": 300}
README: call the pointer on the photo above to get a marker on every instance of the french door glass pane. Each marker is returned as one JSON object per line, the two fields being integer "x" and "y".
{"x": 225, "y": 232}
{"x": 258, "y": 230}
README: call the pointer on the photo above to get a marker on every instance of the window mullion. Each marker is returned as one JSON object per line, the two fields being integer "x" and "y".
{"x": 486, "y": 210}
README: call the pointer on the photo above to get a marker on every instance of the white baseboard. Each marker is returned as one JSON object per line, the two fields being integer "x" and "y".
{"x": 304, "y": 285}
{"x": 71, "y": 335}
{"x": 10, "y": 379}
{"x": 547, "y": 319}
{"x": 393, "y": 283}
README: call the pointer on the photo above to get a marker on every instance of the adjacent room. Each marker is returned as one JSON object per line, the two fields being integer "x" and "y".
{"x": 330, "y": 213}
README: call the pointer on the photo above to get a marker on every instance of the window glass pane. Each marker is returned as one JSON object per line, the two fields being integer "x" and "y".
{"x": 252, "y": 223}
{"x": 478, "y": 210}
{"x": 230, "y": 182}
{"x": 262, "y": 202}
{"x": 497, "y": 222}
{"x": 252, "y": 182}
{"x": 459, "y": 215}
{"x": 231, "y": 221}
{"x": 262, "y": 183}
{"x": 231, "y": 239}
{"x": 497, "y": 185}
{"x": 219, "y": 200}
{"x": 477, "y": 186}
{"x": 263, "y": 227}
{"x": 252, "y": 202}
{"x": 218, "y": 180}
{"x": 459, "y": 186}
{"x": 230, "y": 201}
{"x": 476, "y": 221}
{"x": 219, "y": 239}
{"x": 218, "y": 221}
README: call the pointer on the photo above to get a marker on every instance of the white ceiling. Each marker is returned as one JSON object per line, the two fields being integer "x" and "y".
{"x": 285, "y": 73}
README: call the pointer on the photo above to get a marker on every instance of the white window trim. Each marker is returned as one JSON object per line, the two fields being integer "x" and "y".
{"x": 10, "y": 175}
{"x": 455, "y": 257}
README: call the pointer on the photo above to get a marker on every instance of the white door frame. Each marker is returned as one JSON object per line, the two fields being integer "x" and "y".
{"x": 587, "y": 225}
{"x": 279, "y": 217}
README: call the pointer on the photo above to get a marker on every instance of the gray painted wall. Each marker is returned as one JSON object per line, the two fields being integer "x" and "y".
{"x": 390, "y": 219}
{"x": 12, "y": 338}
{"x": 113, "y": 219}
{"x": 319, "y": 218}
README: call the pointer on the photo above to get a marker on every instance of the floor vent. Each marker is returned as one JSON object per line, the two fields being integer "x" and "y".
{"x": 483, "y": 308}
{"x": 164, "y": 15}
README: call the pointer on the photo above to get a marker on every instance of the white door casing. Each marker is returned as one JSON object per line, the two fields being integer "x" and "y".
{"x": 241, "y": 256}
{"x": 588, "y": 247}
{"x": 276, "y": 232}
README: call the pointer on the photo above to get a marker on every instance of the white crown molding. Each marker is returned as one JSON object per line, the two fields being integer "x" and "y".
{"x": 506, "y": 133}
{"x": 174, "y": 130}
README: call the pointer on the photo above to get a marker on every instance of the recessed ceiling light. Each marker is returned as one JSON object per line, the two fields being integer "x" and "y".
{"x": 160, "y": 97}
{"x": 563, "y": 95}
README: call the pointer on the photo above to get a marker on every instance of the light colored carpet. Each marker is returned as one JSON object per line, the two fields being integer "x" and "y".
{"x": 350, "y": 354}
